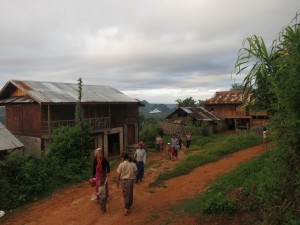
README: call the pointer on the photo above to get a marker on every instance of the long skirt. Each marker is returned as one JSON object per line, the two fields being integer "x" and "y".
{"x": 100, "y": 177}
{"x": 127, "y": 189}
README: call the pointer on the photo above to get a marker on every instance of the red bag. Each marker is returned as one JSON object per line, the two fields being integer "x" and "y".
{"x": 92, "y": 182}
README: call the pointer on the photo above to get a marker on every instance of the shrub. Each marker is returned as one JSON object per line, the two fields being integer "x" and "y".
{"x": 218, "y": 204}
{"x": 149, "y": 131}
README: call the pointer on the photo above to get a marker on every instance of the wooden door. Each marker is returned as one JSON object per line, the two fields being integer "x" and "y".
{"x": 130, "y": 134}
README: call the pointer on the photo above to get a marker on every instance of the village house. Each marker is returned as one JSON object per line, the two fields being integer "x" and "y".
{"x": 229, "y": 106}
{"x": 196, "y": 116}
{"x": 34, "y": 109}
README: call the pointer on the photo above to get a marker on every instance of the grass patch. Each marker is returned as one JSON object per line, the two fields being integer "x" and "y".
{"x": 256, "y": 188}
{"x": 214, "y": 149}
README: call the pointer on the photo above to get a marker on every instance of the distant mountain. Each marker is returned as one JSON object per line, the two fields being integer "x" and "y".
{"x": 171, "y": 106}
{"x": 157, "y": 111}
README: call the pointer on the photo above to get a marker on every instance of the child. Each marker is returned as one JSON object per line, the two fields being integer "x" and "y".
{"x": 188, "y": 139}
{"x": 102, "y": 195}
{"x": 169, "y": 150}
{"x": 265, "y": 137}
{"x": 175, "y": 150}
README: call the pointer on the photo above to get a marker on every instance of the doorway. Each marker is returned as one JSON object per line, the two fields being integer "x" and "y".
{"x": 113, "y": 144}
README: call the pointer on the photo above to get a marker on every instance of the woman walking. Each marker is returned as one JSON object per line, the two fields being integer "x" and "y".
{"x": 101, "y": 170}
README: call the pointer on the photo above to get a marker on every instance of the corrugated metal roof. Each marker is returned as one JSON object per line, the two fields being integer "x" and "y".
{"x": 51, "y": 92}
{"x": 200, "y": 113}
{"x": 7, "y": 140}
{"x": 24, "y": 99}
{"x": 227, "y": 97}
{"x": 197, "y": 113}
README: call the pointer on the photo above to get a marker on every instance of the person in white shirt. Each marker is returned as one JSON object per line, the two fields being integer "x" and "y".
{"x": 265, "y": 137}
{"x": 140, "y": 156}
{"x": 126, "y": 175}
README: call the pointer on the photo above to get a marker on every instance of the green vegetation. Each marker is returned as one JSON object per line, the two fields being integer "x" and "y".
{"x": 253, "y": 188}
{"x": 24, "y": 178}
{"x": 149, "y": 129}
{"x": 213, "y": 150}
{"x": 267, "y": 188}
{"x": 274, "y": 84}
{"x": 188, "y": 102}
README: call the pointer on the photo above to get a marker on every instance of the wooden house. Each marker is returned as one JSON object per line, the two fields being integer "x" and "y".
{"x": 34, "y": 109}
{"x": 196, "y": 116}
{"x": 229, "y": 107}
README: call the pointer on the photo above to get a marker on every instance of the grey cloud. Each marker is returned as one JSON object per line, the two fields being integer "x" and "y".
{"x": 134, "y": 45}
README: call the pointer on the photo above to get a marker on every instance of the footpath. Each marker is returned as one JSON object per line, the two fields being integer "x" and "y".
{"x": 73, "y": 206}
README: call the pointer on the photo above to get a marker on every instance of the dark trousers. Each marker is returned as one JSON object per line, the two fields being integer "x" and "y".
{"x": 188, "y": 143}
{"x": 140, "y": 170}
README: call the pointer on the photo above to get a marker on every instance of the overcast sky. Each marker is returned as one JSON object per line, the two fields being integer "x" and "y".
{"x": 157, "y": 51}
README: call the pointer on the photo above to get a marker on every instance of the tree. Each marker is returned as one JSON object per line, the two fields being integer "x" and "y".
{"x": 85, "y": 139}
{"x": 286, "y": 87}
{"x": 188, "y": 102}
{"x": 255, "y": 55}
{"x": 273, "y": 80}
{"x": 78, "y": 112}
{"x": 236, "y": 87}
{"x": 274, "y": 84}
{"x": 73, "y": 142}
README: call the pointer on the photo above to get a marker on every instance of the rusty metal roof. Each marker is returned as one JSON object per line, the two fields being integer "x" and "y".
{"x": 200, "y": 113}
{"x": 197, "y": 113}
{"x": 7, "y": 140}
{"x": 227, "y": 97}
{"x": 51, "y": 92}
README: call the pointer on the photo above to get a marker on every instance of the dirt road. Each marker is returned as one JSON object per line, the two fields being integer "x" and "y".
{"x": 73, "y": 206}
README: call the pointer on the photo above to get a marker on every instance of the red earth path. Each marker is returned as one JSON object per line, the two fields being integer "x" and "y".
{"x": 73, "y": 206}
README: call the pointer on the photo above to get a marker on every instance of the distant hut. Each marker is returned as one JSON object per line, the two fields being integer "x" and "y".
{"x": 229, "y": 106}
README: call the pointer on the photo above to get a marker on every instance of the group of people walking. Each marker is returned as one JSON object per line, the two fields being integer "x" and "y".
{"x": 176, "y": 144}
{"x": 129, "y": 172}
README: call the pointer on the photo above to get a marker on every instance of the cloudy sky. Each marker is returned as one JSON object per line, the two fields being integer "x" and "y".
{"x": 157, "y": 51}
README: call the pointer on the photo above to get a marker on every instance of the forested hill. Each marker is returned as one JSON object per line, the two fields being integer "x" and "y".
{"x": 149, "y": 108}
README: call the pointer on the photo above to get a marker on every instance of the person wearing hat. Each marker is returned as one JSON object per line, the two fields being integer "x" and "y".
{"x": 140, "y": 156}
{"x": 126, "y": 174}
